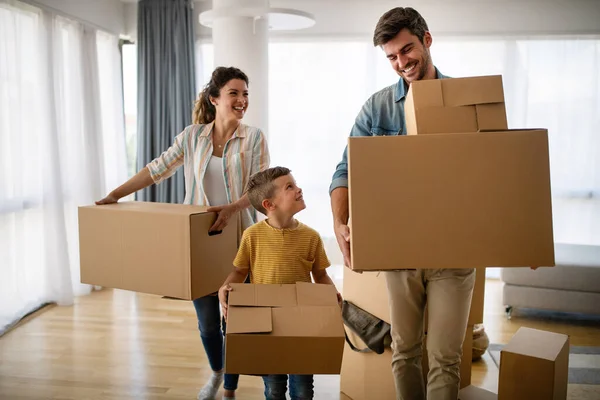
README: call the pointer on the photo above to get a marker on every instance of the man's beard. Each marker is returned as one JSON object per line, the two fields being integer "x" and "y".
{"x": 424, "y": 65}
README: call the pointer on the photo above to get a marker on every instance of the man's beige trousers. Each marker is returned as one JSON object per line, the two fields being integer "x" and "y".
{"x": 447, "y": 293}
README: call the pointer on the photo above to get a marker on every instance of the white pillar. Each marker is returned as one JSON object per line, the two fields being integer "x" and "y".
{"x": 240, "y": 38}
{"x": 242, "y": 42}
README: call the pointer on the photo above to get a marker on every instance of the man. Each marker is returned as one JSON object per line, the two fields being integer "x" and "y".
{"x": 403, "y": 35}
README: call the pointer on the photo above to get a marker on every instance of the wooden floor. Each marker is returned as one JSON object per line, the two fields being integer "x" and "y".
{"x": 120, "y": 345}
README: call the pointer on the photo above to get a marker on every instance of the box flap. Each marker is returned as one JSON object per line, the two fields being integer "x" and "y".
{"x": 315, "y": 294}
{"x": 491, "y": 117}
{"x": 249, "y": 320}
{"x": 473, "y": 90}
{"x": 426, "y": 93}
{"x": 308, "y": 321}
{"x": 248, "y": 294}
{"x": 149, "y": 207}
{"x": 536, "y": 343}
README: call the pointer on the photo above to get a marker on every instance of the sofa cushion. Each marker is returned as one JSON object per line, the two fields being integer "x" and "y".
{"x": 584, "y": 279}
{"x": 551, "y": 299}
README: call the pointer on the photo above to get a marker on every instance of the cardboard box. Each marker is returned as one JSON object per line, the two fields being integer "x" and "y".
{"x": 284, "y": 329}
{"x": 534, "y": 365}
{"x": 455, "y": 105}
{"x": 458, "y": 200}
{"x": 155, "y": 248}
{"x": 476, "y": 393}
{"x": 366, "y": 376}
{"x": 369, "y": 292}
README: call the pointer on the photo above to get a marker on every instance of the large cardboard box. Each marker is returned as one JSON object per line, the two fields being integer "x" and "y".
{"x": 459, "y": 200}
{"x": 476, "y": 393}
{"x": 534, "y": 365}
{"x": 156, "y": 248}
{"x": 368, "y": 291}
{"x": 284, "y": 329}
{"x": 367, "y": 376}
{"x": 455, "y": 105}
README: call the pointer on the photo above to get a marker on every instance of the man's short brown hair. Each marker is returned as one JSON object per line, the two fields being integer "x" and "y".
{"x": 393, "y": 21}
{"x": 261, "y": 186}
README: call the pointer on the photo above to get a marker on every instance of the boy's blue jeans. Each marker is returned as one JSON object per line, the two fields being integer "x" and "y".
{"x": 209, "y": 323}
{"x": 301, "y": 387}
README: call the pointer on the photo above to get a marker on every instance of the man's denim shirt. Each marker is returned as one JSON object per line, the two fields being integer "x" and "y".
{"x": 381, "y": 115}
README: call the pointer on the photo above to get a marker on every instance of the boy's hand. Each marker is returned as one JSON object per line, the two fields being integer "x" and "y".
{"x": 340, "y": 299}
{"x": 223, "y": 297}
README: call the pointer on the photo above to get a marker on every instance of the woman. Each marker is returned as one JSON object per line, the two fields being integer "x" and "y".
{"x": 219, "y": 154}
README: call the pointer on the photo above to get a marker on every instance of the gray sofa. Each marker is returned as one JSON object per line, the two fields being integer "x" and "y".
{"x": 572, "y": 286}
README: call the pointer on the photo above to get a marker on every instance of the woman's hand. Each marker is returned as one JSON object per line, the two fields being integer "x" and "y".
{"x": 224, "y": 213}
{"x": 223, "y": 296}
{"x": 110, "y": 199}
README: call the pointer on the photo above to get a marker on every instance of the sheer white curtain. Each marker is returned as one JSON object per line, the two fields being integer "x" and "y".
{"x": 551, "y": 83}
{"x": 60, "y": 148}
{"x": 317, "y": 88}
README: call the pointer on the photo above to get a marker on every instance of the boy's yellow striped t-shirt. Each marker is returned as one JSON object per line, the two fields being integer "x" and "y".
{"x": 280, "y": 256}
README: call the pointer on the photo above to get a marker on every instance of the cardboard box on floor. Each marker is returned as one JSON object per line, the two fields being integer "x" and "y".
{"x": 284, "y": 329}
{"x": 367, "y": 376}
{"x": 534, "y": 365}
{"x": 369, "y": 292}
{"x": 458, "y": 200}
{"x": 155, "y": 248}
{"x": 455, "y": 105}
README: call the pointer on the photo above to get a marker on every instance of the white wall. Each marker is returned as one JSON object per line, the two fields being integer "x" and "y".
{"x": 105, "y": 14}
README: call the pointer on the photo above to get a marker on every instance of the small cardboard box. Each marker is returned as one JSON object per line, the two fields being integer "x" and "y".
{"x": 284, "y": 329}
{"x": 534, "y": 365}
{"x": 369, "y": 292}
{"x": 459, "y": 200}
{"x": 476, "y": 393}
{"x": 366, "y": 376}
{"x": 455, "y": 105}
{"x": 155, "y": 248}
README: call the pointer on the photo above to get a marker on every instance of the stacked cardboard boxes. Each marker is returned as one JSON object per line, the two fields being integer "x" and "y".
{"x": 459, "y": 191}
{"x": 451, "y": 194}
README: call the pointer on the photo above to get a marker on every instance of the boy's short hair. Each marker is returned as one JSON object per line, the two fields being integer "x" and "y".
{"x": 261, "y": 186}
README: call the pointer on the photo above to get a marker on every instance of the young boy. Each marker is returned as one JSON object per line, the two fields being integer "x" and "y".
{"x": 279, "y": 250}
